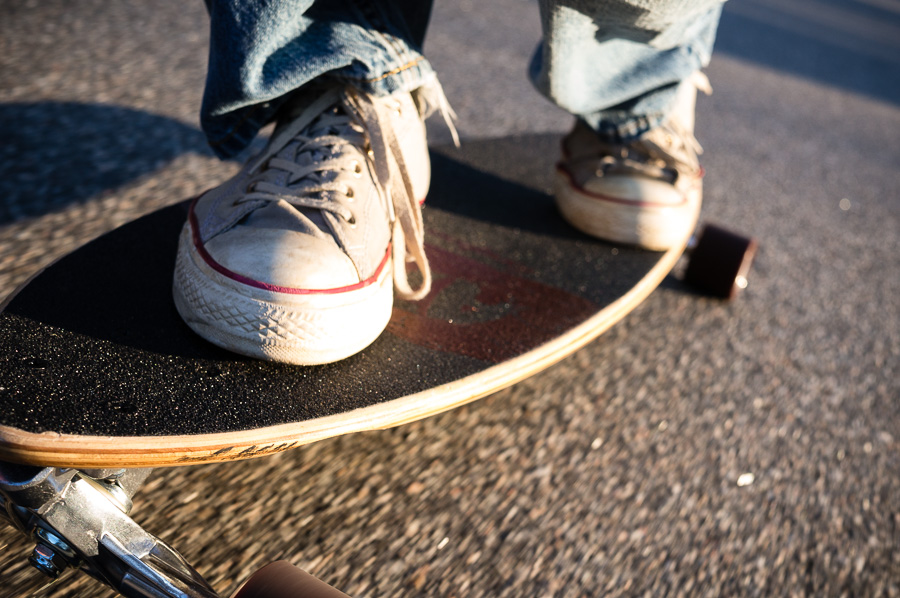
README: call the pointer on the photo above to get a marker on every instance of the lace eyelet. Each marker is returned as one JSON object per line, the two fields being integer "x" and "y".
{"x": 350, "y": 194}
{"x": 351, "y": 221}
{"x": 357, "y": 170}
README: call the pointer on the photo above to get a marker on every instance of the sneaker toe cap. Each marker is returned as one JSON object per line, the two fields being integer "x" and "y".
{"x": 633, "y": 189}
{"x": 285, "y": 259}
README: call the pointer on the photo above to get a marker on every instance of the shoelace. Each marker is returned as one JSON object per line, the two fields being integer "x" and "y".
{"x": 408, "y": 232}
{"x": 662, "y": 153}
{"x": 318, "y": 152}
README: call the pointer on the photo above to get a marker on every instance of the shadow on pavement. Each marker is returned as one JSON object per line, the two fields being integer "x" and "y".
{"x": 59, "y": 153}
{"x": 852, "y": 45}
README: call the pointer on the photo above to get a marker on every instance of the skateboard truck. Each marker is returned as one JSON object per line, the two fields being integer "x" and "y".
{"x": 80, "y": 519}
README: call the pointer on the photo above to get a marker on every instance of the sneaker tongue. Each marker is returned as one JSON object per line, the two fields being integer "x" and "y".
{"x": 306, "y": 156}
{"x": 306, "y": 151}
{"x": 334, "y": 122}
{"x": 321, "y": 149}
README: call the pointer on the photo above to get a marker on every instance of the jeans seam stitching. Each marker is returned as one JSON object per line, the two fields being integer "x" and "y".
{"x": 388, "y": 40}
{"x": 409, "y": 65}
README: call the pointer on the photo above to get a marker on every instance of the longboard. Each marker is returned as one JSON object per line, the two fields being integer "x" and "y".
{"x": 97, "y": 369}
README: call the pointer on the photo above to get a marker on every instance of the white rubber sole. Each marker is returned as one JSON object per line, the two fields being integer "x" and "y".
{"x": 300, "y": 329}
{"x": 649, "y": 225}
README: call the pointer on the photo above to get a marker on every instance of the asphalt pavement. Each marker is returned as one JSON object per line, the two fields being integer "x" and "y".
{"x": 699, "y": 448}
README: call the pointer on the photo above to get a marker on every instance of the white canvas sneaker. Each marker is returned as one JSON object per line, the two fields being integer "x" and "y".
{"x": 295, "y": 258}
{"x": 645, "y": 192}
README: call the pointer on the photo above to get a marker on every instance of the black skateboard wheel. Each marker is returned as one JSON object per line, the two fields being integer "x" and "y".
{"x": 283, "y": 580}
{"x": 719, "y": 262}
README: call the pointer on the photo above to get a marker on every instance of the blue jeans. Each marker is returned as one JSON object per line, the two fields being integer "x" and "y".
{"x": 614, "y": 64}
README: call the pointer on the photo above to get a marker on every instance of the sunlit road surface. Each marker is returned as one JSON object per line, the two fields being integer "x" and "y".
{"x": 697, "y": 449}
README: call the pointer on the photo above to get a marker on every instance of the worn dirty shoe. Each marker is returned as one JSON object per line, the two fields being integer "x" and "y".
{"x": 645, "y": 192}
{"x": 295, "y": 258}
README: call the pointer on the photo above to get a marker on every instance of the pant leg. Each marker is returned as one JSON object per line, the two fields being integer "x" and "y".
{"x": 616, "y": 63}
{"x": 262, "y": 50}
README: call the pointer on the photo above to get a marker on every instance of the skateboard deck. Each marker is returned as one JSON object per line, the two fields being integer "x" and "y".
{"x": 98, "y": 370}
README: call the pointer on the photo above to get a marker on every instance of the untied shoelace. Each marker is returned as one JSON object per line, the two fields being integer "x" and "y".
{"x": 306, "y": 188}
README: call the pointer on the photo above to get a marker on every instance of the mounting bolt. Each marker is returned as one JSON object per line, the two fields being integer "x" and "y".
{"x": 119, "y": 496}
{"x": 113, "y": 491}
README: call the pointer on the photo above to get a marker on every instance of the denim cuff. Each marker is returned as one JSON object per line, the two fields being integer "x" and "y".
{"x": 259, "y": 57}
{"x": 230, "y": 133}
{"x": 630, "y": 120}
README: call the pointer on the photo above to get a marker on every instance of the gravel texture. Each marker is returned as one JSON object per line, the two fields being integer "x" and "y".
{"x": 697, "y": 449}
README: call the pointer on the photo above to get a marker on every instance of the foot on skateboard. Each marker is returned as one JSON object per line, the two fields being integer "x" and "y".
{"x": 292, "y": 260}
{"x": 644, "y": 191}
